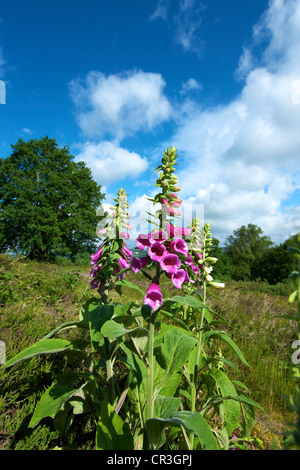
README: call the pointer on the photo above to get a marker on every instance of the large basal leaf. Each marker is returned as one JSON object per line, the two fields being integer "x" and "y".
{"x": 51, "y": 403}
{"x": 192, "y": 423}
{"x": 112, "y": 432}
{"x": 45, "y": 346}
{"x": 164, "y": 407}
{"x": 231, "y": 407}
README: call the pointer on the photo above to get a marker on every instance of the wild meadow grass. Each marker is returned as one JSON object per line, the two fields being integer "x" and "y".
{"x": 37, "y": 297}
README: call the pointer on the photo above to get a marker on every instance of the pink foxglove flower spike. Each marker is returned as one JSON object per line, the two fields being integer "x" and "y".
{"x": 153, "y": 297}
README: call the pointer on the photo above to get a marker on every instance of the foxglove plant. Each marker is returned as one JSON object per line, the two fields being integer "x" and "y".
{"x": 169, "y": 362}
{"x": 294, "y": 401}
{"x": 112, "y": 259}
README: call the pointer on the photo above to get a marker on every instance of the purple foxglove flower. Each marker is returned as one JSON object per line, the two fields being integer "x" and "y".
{"x": 182, "y": 232}
{"x": 126, "y": 252}
{"x": 153, "y": 297}
{"x": 158, "y": 236}
{"x": 179, "y": 246}
{"x": 170, "y": 229}
{"x": 143, "y": 241}
{"x": 96, "y": 256}
{"x": 170, "y": 263}
{"x": 94, "y": 284}
{"x": 195, "y": 268}
{"x": 172, "y": 211}
{"x": 139, "y": 263}
{"x": 178, "y": 278}
{"x": 156, "y": 251}
{"x": 189, "y": 260}
{"x": 124, "y": 235}
{"x": 123, "y": 263}
{"x": 176, "y": 203}
{"x": 94, "y": 270}
{"x": 187, "y": 278}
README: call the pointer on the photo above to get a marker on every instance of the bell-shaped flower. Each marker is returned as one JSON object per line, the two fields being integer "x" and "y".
{"x": 199, "y": 256}
{"x": 172, "y": 211}
{"x": 96, "y": 256}
{"x": 189, "y": 260}
{"x": 123, "y": 263}
{"x": 170, "y": 263}
{"x": 178, "y": 278}
{"x": 170, "y": 229}
{"x": 126, "y": 252}
{"x": 158, "y": 236}
{"x": 182, "y": 232}
{"x": 153, "y": 297}
{"x": 195, "y": 268}
{"x": 179, "y": 246}
{"x": 124, "y": 235}
{"x": 157, "y": 251}
{"x": 137, "y": 264}
{"x": 143, "y": 241}
{"x": 176, "y": 203}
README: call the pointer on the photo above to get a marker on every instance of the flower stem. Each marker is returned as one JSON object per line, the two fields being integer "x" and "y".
{"x": 197, "y": 361}
{"x": 150, "y": 365}
{"x": 109, "y": 373}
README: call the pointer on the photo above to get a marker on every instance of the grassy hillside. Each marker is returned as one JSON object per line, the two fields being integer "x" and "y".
{"x": 37, "y": 297}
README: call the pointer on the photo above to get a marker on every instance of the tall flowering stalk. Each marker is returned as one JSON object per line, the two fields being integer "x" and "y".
{"x": 110, "y": 263}
{"x": 295, "y": 400}
{"x": 201, "y": 253}
{"x": 112, "y": 258}
{"x": 165, "y": 251}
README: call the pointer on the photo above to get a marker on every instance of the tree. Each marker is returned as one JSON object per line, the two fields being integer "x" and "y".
{"x": 245, "y": 248}
{"x": 47, "y": 201}
{"x": 223, "y": 269}
{"x": 277, "y": 262}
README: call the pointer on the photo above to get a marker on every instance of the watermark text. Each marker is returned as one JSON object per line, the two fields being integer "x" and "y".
{"x": 2, "y": 92}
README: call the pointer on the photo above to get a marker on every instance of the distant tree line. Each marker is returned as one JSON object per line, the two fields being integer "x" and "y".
{"x": 249, "y": 255}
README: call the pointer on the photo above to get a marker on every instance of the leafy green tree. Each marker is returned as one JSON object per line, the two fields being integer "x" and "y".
{"x": 245, "y": 248}
{"x": 47, "y": 201}
{"x": 277, "y": 262}
{"x": 223, "y": 269}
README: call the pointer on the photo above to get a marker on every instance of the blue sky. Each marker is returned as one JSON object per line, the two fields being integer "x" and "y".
{"x": 118, "y": 82}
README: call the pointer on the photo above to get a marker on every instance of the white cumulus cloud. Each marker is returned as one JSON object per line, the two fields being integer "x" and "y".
{"x": 109, "y": 162}
{"x": 119, "y": 105}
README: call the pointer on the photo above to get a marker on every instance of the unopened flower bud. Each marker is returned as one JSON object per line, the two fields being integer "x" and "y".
{"x": 211, "y": 260}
